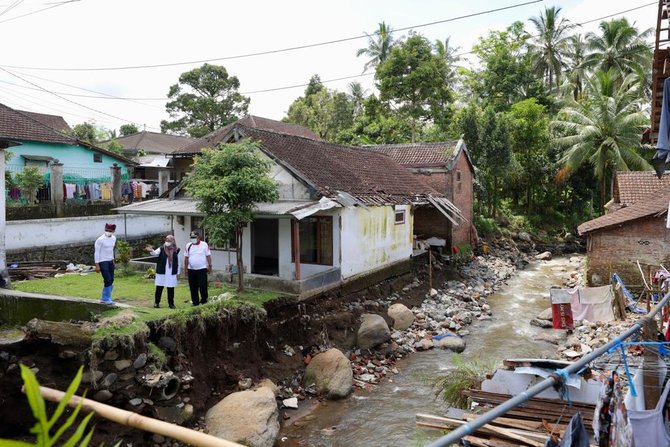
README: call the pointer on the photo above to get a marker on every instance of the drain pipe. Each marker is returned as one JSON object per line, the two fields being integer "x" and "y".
{"x": 470, "y": 427}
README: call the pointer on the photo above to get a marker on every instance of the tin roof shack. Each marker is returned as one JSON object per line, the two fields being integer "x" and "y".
{"x": 447, "y": 167}
{"x": 617, "y": 240}
{"x": 344, "y": 215}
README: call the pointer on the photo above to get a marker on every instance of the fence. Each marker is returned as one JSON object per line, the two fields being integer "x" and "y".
{"x": 82, "y": 185}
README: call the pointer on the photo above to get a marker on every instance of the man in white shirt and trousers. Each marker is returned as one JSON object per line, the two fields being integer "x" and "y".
{"x": 104, "y": 261}
{"x": 198, "y": 262}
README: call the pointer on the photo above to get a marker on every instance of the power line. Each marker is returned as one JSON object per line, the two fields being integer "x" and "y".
{"x": 68, "y": 100}
{"x": 280, "y": 50}
{"x": 56, "y": 5}
{"x": 10, "y": 7}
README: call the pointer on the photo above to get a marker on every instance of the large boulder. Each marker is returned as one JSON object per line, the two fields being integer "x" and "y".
{"x": 453, "y": 343}
{"x": 331, "y": 372}
{"x": 250, "y": 417}
{"x": 373, "y": 331}
{"x": 401, "y": 315}
{"x": 544, "y": 256}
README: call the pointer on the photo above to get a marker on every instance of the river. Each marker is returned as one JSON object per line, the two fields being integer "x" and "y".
{"x": 385, "y": 416}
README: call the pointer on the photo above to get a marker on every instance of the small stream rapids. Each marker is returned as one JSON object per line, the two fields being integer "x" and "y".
{"x": 385, "y": 416}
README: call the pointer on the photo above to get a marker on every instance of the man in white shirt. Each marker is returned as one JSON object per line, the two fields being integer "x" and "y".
{"x": 104, "y": 261}
{"x": 198, "y": 262}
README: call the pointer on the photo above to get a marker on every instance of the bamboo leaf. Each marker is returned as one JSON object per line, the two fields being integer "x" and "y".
{"x": 70, "y": 420}
{"x": 74, "y": 385}
{"x": 10, "y": 443}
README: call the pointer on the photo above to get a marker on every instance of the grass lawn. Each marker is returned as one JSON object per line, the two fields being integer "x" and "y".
{"x": 133, "y": 289}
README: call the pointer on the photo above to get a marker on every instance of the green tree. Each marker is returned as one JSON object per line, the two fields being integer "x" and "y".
{"x": 445, "y": 51}
{"x": 506, "y": 76}
{"x": 529, "y": 135}
{"x": 228, "y": 182}
{"x": 414, "y": 81}
{"x": 204, "y": 99}
{"x": 620, "y": 45}
{"x": 494, "y": 141}
{"x": 576, "y": 71}
{"x": 128, "y": 129}
{"x": 380, "y": 44}
{"x": 357, "y": 96}
{"x": 113, "y": 145}
{"x": 549, "y": 46}
{"x": 603, "y": 129}
{"x": 377, "y": 124}
{"x": 30, "y": 180}
{"x": 327, "y": 112}
{"x": 89, "y": 132}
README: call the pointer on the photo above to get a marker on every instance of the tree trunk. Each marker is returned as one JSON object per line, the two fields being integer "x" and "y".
{"x": 603, "y": 192}
{"x": 239, "y": 231}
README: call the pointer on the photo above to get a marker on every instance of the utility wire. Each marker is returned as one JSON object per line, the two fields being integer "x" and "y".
{"x": 280, "y": 50}
{"x": 10, "y": 7}
{"x": 56, "y": 5}
{"x": 68, "y": 100}
{"x": 287, "y": 87}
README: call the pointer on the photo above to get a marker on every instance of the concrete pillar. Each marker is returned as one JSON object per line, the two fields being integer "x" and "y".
{"x": 4, "y": 277}
{"x": 163, "y": 177}
{"x": 116, "y": 184}
{"x": 56, "y": 185}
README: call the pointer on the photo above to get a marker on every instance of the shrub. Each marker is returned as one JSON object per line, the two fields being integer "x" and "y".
{"x": 486, "y": 226}
{"x": 462, "y": 377}
{"x": 125, "y": 252}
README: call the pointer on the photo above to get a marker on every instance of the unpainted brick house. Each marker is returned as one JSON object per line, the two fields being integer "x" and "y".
{"x": 636, "y": 230}
{"x": 447, "y": 167}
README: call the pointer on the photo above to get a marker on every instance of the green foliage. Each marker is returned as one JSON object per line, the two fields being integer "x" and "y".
{"x": 462, "y": 255}
{"x": 150, "y": 273}
{"x": 29, "y": 180}
{"x": 128, "y": 129}
{"x": 157, "y": 355}
{"x": 620, "y": 46}
{"x": 379, "y": 46}
{"x": 228, "y": 182}
{"x": 326, "y": 112}
{"x": 89, "y": 132}
{"x": 44, "y": 424}
{"x": 486, "y": 226}
{"x": 125, "y": 252}
{"x": 461, "y": 377}
{"x": 113, "y": 146}
{"x": 414, "y": 80}
{"x": 204, "y": 99}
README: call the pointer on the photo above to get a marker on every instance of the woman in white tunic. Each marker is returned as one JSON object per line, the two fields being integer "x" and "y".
{"x": 167, "y": 269}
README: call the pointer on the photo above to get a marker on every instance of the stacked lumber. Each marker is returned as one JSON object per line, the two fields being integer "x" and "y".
{"x": 35, "y": 269}
{"x": 529, "y": 424}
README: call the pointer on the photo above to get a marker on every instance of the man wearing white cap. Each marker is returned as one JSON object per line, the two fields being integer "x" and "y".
{"x": 104, "y": 261}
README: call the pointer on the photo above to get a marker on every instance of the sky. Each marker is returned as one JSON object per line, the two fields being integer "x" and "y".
{"x": 44, "y": 40}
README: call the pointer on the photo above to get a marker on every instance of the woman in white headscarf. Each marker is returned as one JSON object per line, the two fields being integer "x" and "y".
{"x": 167, "y": 269}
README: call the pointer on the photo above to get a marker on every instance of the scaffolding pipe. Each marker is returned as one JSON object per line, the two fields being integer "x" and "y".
{"x": 500, "y": 410}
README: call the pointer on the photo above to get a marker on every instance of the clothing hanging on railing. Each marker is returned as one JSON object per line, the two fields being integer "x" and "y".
{"x": 649, "y": 426}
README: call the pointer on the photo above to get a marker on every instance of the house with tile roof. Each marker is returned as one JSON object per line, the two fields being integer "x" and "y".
{"x": 151, "y": 151}
{"x": 448, "y": 168}
{"x": 635, "y": 229}
{"x": 344, "y": 213}
{"x": 36, "y": 143}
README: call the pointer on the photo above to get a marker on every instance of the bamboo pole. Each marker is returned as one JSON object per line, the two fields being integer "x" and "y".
{"x": 134, "y": 420}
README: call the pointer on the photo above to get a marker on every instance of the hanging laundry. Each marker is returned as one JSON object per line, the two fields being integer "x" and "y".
{"x": 648, "y": 426}
{"x": 662, "y": 155}
{"x": 575, "y": 434}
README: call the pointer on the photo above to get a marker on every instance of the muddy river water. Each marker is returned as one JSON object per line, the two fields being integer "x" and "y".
{"x": 386, "y": 415}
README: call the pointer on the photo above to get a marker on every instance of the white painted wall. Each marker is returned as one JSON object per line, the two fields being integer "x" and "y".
{"x": 371, "y": 239}
{"x": 289, "y": 187}
{"x": 3, "y": 229}
{"x": 27, "y": 234}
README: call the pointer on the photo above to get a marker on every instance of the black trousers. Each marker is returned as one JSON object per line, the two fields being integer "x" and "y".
{"x": 159, "y": 293}
{"x": 197, "y": 282}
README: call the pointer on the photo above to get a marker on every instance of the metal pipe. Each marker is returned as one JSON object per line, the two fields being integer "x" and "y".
{"x": 470, "y": 427}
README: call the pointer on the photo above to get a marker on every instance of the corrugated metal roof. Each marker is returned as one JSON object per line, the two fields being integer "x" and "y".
{"x": 188, "y": 207}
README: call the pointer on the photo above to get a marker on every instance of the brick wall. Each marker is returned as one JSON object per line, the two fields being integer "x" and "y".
{"x": 462, "y": 196}
{"x": 618, "y": 249}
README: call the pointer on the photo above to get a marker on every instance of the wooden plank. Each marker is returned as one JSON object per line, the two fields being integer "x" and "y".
{"x": 435, "y": 420}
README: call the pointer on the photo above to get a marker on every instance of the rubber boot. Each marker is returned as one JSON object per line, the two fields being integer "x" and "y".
{"x": 109, "y": 296}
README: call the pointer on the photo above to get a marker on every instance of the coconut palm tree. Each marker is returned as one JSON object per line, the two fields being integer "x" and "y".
{"x": 446, "y": 52}
{"x": 620, "y": 45}
{"x": 357, "y": 95}
{"x": 379, "y": 46}
{"x": 603, "y": 129}
{"x": 549, "y": 46}
{"x": 576, "y": 72}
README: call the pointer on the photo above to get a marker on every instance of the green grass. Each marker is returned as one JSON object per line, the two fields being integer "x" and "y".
{"x": 133, "y": 289}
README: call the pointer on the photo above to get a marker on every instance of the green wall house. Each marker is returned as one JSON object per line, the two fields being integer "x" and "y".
{"x": 42, "y": 138}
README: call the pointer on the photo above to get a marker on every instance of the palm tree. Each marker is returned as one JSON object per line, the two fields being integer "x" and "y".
{"x": 620, "y": 46}
{"x": 448, "y": 53}
{"x": 379, "y": 46}
{"x": 357, "y": 95}
{"x": 603, "y": 129}
{"x": 576, "y": 72}
{"x": 549, "y": 45}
